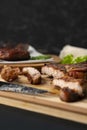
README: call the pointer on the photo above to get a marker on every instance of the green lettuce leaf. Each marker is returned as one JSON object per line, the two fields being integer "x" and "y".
{"x": 41, "y": 57}
{"x": 69, "y": 59}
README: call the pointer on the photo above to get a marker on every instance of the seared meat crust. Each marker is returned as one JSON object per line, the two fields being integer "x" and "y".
{"x": 53, "y": 70}
{"x": 71, "y": 89}
{"x": 9, "y": 74}
{"x": 32, "y": 74}
{"x": 70, "y": 79}
{"x": 70, "y": 95}
{"x": 60, "y": 70}
{"x": 13, "y": 54}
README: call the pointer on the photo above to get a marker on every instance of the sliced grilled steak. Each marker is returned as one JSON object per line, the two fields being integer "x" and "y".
{"x": 71, "y": 89}
{"x": 9, "y": 73}
{"x": 54, "y": 70}
{"x": 69, "y": 95}
{"x": 32, "y": 74}
{"x": 80, "y": 67}
{"x": 59, "y": 70}
{"x": 77, "y": 70}
{"x": 78, "y": 75}
{"x": 14, "y": 53}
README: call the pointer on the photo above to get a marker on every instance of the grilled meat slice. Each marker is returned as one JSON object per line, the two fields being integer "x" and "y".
{"x": 9, "y": 73}
{"x": 77, "y": 70}
{"x": 53, "y": 70}
{"x": 69, "y": 95}
{"x": 13, "y": 54}
{"x": 77, "y": 75}
{"x": 60, "y": 70}
{"x": 32, "y": 74}
{"x": 81, "y": 67}
{"x": 71, "y": 89}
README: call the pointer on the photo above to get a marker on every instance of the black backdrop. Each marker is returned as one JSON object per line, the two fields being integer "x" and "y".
{"x": 46, "y": 24}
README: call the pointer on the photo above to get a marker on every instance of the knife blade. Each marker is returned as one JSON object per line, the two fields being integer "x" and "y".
{"x": 12, "y": 87}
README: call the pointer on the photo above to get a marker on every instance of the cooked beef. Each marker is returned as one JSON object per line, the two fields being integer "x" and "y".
{"x": 77, "y": 75}
{"x": 13, "y": 54}
{"x": 81, "y": 67}
{"x": 53, "y": 70}
{"x": 59, "y": 70}
{"x": 71, "y": 79}
{"x": 32, "y": 74}
{"x": 9, "y": 73}
{"x": 69, "y": 95}
{"x": 71, "y": 89}
{"x": 77, "y": 70}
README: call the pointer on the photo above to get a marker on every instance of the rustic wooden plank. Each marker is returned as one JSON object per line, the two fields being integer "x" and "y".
{"x": 45, "y": 109}
{"x": 49, "y": 104}
{"x": 48, "y": 100}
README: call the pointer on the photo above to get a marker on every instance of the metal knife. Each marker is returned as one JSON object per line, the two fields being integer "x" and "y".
{"x": 12, "y": 87}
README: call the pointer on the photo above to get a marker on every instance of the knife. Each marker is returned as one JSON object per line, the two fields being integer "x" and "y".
{"x": 12, "y": 87}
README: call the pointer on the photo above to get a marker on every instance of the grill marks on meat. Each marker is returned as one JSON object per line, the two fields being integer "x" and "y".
{"x": 13, "y": 54}
{"x": 60, "y": 70}
{"x": 77, "y": 75}
{"x": 77, "y": 70}
{"x": 71, "y": 79}
{"x": 53, "y": 70}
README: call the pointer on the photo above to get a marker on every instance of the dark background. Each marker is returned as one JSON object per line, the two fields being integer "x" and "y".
{"x": 46, "y": 24}
{"x": 18, "y": 119}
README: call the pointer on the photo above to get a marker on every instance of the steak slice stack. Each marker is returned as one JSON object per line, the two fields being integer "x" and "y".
{"x": 70, "y": 79}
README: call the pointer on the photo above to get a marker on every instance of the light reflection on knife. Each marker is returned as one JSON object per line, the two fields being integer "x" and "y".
{"x": 11, "y": 87}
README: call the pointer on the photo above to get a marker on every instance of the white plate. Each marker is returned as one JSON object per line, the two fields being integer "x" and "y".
{"x": 33, "y": 52}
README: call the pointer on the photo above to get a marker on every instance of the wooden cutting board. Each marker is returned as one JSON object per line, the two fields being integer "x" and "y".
{"x": 48, "y": 104}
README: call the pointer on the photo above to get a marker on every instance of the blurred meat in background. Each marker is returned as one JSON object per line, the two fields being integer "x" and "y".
{"x": 47, "y": 25}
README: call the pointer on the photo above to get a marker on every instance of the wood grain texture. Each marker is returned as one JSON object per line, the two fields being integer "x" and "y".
{"x": 49, "y": 104}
